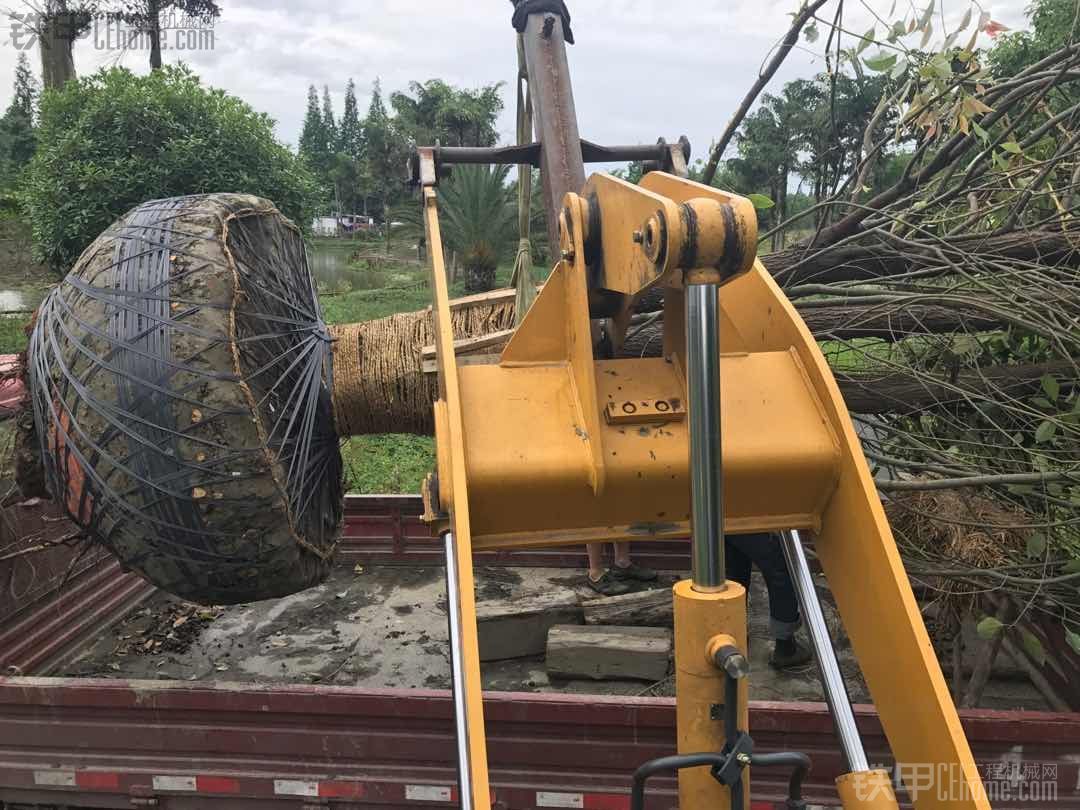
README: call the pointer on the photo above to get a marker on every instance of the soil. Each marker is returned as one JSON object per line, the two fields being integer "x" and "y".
{"x": 377, "y": 627}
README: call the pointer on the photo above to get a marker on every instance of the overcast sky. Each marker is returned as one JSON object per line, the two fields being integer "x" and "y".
{"x": 641, "y": 68}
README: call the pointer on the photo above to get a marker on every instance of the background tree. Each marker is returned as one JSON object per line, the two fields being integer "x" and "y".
{"x": 1054, "y": 24}
{"x": 57, "y": 24}
{"x": 114, "y": 139}
{"x": 17, "y": 136}
{"x": 330, "y": 129}
{"x": 384, "y": 155}
{"x": 351, "y": 133}
{"x": 145, "y": 15}
{"x": 315, "y": 148}
{"x": 434, "y": 111}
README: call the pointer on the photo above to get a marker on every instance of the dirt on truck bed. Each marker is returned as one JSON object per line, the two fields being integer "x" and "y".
{"x": 386, "y": 626}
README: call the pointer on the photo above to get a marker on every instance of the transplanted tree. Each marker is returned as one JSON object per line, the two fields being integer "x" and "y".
{"x": 145, "y": 15}
{"x": 113, "y": 140}
{"x": 17, "y": 139}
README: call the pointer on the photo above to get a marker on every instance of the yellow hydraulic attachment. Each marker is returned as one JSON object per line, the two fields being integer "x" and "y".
{"x": 551, "y": 445}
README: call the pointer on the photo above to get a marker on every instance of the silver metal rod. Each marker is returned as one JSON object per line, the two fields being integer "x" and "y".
{"x": 703, "y": 384}
{"x": 832, "y": 680}
{"x": 457, "y": 669}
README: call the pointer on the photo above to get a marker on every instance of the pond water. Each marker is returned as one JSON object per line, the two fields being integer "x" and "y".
{"x": 330, "y": 266}
{"x": 19, "y": 300}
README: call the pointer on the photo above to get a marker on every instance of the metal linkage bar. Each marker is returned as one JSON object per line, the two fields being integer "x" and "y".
{"x": 832, "y": 680}
{"x": 453, "y": 612}
{"x": 659, "y": 153}
{"x": 703, "y": 384}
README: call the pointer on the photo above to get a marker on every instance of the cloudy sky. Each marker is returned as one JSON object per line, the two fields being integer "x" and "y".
{"x": 641, "y": 68}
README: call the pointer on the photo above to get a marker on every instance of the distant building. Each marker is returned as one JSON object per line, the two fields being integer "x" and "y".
{"x": 341, "y": 224}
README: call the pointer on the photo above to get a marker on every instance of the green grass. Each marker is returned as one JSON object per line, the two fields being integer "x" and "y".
{"x": 13, "y": 333}
{"x": 389, "y": 463}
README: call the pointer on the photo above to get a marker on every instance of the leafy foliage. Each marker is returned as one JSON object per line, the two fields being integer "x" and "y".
{"x": 114, "y": 139}
{"x": 433, "y": 111}
{"x": 17, "y": 137}
{"x": 478, "y": 214}
{"x": 1053, "y": 24}
{"x": 146, "y": 15}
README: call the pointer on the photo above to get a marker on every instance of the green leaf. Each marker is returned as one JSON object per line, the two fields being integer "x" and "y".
{"x": 1033, "y": 647}
{"x": 867, "y": 38}
{"x": 810, "y": 33}
{"x": 760, "y": 201}
{"x": 899, "y": 69}
{"x": 927, "y": 33}
{"x": 1045, "y": 431}
{"x": 1036, "y": 545}
{"x": 1074, "y": 640}
{"x": 1051, "y": 386}
{"x": 989, "y": 627}
{"x": 1013, "y": 147}
{"x": 982, "y": 133}
{"x": 881, "y": 62}
{"x": 1071, "y": 567}
{"x": 1042, "y": 402}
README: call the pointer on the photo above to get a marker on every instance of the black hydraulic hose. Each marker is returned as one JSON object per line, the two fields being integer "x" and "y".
{"x": 731, "y": 731}
{"x": 800, "y": 763}
{"x": 731, "y": 709}
{"x": 672, "y": 763}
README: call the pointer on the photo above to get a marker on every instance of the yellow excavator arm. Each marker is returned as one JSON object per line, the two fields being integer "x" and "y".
{"x": 551, "y": 445}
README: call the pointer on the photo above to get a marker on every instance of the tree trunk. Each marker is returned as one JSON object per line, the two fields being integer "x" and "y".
{"x": 869, "y": 261}
{"x": 153, "y": 28}
{"x": 900, "y": 392}
{"x": 399, "y": 394}
{"x": 852, "y": 321}
{"x": 55, "y": 43}
{"x": 984, "y": 663}
{"x": 649, "y": 608}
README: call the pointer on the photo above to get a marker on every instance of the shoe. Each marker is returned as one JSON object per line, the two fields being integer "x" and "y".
{"x": 607, "y": 585}
{"x": 789, "y": 654}
{"x": 638, "y": 573}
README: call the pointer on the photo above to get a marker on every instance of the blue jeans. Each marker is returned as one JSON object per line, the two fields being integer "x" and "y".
{"x": 741, "y": 553}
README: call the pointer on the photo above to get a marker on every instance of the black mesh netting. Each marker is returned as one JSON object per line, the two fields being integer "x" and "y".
{"x": 178, "y": 382}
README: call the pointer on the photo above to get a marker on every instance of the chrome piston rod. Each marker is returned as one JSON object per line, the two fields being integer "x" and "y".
{"x": 832, "y": 680}
{"x": 457, "y": 667}
{"x": 703, "y": 393}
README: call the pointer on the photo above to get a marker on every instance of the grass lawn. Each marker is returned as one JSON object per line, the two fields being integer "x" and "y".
{"x": 392, "y": 463}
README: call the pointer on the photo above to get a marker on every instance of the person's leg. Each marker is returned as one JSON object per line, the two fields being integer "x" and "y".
{"x": 737, "y": 564}
{"x": 600, "y": 579}
{"x": 625, "y": 568}
{"x": 596, "y": 560}
{"x": 784, "y": 619}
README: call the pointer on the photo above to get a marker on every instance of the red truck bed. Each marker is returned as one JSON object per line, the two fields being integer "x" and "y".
{"x": 77, "y": 743}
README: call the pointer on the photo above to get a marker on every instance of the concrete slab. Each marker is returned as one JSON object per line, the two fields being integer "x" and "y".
{"x": 519, "y": 628}
{"x": 606, "y": 652}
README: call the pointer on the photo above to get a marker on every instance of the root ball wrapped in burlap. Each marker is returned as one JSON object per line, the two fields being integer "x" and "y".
{"x": 178, "y": 376}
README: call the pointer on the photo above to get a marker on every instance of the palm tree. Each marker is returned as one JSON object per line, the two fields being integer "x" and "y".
{"x": 479, "y": 221}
